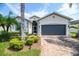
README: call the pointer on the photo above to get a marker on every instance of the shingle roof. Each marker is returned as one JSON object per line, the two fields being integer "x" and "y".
{"x": 25, "y": 19}
{"x": 74, "y": 22}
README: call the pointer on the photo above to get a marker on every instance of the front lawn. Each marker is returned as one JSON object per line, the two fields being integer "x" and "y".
{"x": 4, "y": 51}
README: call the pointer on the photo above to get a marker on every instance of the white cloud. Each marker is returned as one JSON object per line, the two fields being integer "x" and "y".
{"x": 64, "y": 9}
{"x": 13, "y": 9}
{"x": 41, "y": 12}
{"x": 37, "y": 13}
{"x": 69, "y": 11}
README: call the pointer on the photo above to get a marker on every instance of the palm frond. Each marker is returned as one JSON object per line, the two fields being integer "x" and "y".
{"x": 70, "y": 5}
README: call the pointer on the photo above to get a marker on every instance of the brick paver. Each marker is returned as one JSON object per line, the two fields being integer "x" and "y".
{"x": 58, "y": 46}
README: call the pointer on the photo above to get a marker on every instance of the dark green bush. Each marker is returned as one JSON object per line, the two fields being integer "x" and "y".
{"x": 4, "y": 36}
{"x": 16, "y": 37}
{"x": 35, "y": 38}
{"x": 75, "y": 27}
{"x": 26, "y": 33}
{"x": 29, "y": 42}
{"x": 14, "y": 33}
{"x": 15, "y": 43}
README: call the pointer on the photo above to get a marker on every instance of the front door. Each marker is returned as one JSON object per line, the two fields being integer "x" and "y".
{"x": 34, "y": 27}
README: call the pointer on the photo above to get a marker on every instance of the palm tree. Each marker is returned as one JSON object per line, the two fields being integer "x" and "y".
{"x": 10, "y": 21}
{"x": 7, "y": 21}
{"x": 2, "y": 21}
{"x": 22, "y": 21}
{"x": 70, "y": 5}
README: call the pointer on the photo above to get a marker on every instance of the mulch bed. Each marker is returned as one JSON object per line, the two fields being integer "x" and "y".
{"x": 25, "y": 48}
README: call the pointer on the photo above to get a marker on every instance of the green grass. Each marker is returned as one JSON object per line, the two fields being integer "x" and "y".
{"x": 5, "y": 45}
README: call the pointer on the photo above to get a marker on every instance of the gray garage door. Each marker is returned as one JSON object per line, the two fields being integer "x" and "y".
{"x": 53, "y": 29}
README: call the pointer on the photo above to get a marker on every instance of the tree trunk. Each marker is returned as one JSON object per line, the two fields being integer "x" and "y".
{"x": 3, "y": 26}
{"x": 30, "y": 47}
{"x": 70, "y": 5}
{"x": 7, "y": 29}
{"x": 22, "y": 22}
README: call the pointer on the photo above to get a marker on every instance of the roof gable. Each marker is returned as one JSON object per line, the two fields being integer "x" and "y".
{"x": 54, "y": 13}
{"x": 34, "y": 16}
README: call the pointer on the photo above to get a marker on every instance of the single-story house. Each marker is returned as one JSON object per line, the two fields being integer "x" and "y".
{"x": 52, "y": 24}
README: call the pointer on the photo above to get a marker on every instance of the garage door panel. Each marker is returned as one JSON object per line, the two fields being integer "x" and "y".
{"x": 53, "y": 29}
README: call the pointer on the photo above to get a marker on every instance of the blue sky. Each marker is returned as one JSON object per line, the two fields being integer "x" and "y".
{"x": 40, "y": 9}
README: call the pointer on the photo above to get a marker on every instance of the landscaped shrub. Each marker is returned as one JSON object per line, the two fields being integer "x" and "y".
{"x": 15, "y": 43}
{"x": 73, "y": 34}
{"x": 19, "y": 37}
{"x": 35, "y": 38}
{"x": 29, "y": 42}
{"x": 4, "y": 36}
{"x": 14, "y": 33}
{"x": 74, "y": 27}
{"x": 26, "y": 33}
{"x": 30, "y": 34}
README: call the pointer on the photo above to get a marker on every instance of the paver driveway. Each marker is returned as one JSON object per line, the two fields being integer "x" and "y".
{"x": 59, "y": 46}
